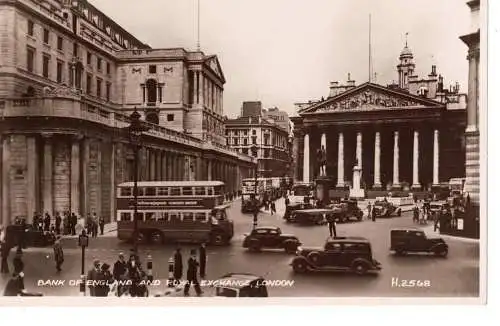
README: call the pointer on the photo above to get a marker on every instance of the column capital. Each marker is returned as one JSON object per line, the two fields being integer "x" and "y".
{"x": 47, "y": 135}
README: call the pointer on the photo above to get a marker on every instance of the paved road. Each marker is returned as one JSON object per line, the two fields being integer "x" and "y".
{"x": 457, "y": 275}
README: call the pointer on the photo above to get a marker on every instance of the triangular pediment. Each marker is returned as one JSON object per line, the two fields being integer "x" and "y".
{"x": 370, "y": 97}
{"x": 214, "y": 65}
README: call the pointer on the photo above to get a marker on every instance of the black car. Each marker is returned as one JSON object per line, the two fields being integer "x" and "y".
{"x": 347, "y": 210}
{"x": 28, "y": 236}
{"x": 382, "y": 208}
{"x": 314, "y": 216}
{"x": 347, "y": 254}
{"x": 292, "y": 207}
{"x": 271, "y": 238}
{"x": 414, "y": 240}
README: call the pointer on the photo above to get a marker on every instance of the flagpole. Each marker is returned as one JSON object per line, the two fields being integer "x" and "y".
{"x": 198, "y": 27}
{"x": 370, "y": 48}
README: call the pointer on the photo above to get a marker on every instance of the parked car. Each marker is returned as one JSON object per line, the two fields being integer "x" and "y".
{"x": 415, "y": 240}
{"x": 384, "y": 208}
{"x": 351, "y": 254}
{"x": 310, "y": 216}
{"x": 292, "y": 207}
{"x": 236, "y": 285}
{"x": 270, "y": 237}
{"x": 31, "y": 237}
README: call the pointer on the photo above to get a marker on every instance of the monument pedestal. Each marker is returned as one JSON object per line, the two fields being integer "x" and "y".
{"x": 356, "y": 191}
{"x": 323, "y": 186}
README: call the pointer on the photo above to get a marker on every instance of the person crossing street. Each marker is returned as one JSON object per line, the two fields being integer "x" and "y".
{"x": 58, "y": 253}
{"x": 177, "y": 265}
{"x": 203, "y": 260}
{"x": 192, "y": 275}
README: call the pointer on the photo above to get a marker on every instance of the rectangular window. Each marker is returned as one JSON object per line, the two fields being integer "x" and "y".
{"x": 31, "y": 28}
{"x": 125, "y": 216}
{"x": 108, "y": 91}
{"x": 163, "y": 191}
{"x": 199, "y": 191}
{"x": 30, "y": 59}
{"x": 187, "y": 217}
{"x": 60, "y": 66}
{"x": 45, "y": 66}
{"x": 200, "y": 217}
{"x": 254, "y": 132}
{"x": 98, "y": 87}
{"x": 45, "y": 36}
{"x": 99, "y": 64}
{"x": 187, "y": 191}
{"x": 108, "y": 68}
{"x": 254, "y": 140}
{"x": 89, "y": 58}
{"x": 235, "y": 141}
{"x": 150, "y": 191}
{"x": 59, "y": 43}
{"x": 152, "y": 69}
{"x": 245, "y": 142}
{"x": 175, "y": 191}
{"x": 126, "y": 192}
{"x": 170, "y": 117}
{"x": 75, "y": 49}
{"x": 89, "y": 83}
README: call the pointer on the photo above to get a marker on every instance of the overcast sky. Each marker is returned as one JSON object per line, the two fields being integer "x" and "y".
{"x": 286, "y": 51}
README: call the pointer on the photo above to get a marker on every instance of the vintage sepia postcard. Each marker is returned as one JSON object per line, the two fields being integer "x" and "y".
{"x": 184, "y": 150}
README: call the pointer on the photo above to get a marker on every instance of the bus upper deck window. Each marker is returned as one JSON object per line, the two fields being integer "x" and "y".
{"x": 175, "y": 191}
{"x": 199, "y": 191}
{"x": 210, "y": 191}
{"x": 163, "y": 191}
{"x": 187, "y": 191}
{"x": 218, "y": 190}
{"x": 150, "y": 216}
{"x": 150, "y": 191}
{"x": 187, "y": 217}
{"x": 126, "y": 192}
{"x": 140, "y": 191}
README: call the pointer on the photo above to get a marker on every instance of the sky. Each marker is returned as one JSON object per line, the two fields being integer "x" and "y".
{"x": 284, "y": 51}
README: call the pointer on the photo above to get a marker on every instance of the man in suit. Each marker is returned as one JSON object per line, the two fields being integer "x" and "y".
{"x": 94, "y": 275}
{"x": 192, "y": 275}
{"x": 58, "y": 253}
{"x": 203, "y": 260}
{"x": 120, "y": 272}
{"x": 178, "y": 265}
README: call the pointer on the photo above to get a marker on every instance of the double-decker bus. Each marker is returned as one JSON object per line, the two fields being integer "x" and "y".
{"x": 178, "y": 211}
{"x": 264, "y": 187}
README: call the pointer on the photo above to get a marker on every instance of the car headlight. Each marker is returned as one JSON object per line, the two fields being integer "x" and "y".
{"x": 299, "y": 250}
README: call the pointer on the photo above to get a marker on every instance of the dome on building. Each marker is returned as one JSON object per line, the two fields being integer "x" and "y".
{"x": 406, "y": 51}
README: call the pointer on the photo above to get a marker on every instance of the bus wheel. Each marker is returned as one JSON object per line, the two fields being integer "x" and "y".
{"x": 156, "y": 237}
{"x": 218, "y": 239}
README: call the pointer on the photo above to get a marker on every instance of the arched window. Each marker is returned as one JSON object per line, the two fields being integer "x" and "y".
{"x": 151, "y": 90}
{"x": 152, "y": 117}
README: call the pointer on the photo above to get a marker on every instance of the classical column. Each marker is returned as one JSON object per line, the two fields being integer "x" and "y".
{"x": 306, "y": 166}
{"x": 435, "y": 174}
{"x": 376, "y": 177}
{"x": 416, "y": 183}
{"x": 209, "y": 169}
{"x": 340, "y": 161}
{"x": 47, "y": 174}
{"x": 395, "y": 170}
{"x": 32, "y": 162}
{"x": 75, "y": 176}
{"x": 163, "y": 165}
{"x": 201, "y": 88}
{"x": 170, "y": 163}
{"x": 323, "y": 140}
{"x": 359, "y": 149}
{"x": 295, "y": 154}
{"x": 195, "y": 88}
{"x": 84, "y": 207}
{"x": 158, "y": 174}
{"x": 6, "y": 161}
{"x": 152, "y": 164}
{"x": 112, "y": 181}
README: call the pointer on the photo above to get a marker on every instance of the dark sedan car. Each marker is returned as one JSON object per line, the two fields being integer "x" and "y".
{"x": 270, "y": 237}
{"x": 27, "y": 236}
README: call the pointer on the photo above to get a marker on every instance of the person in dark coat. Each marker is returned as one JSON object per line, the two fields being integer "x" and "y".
{"x": 58, "y": 253}
{"x": 18, "y": 263}
{"x": 101, "y": 224}
{"x": 287, "y": 201}
{"x": 58, "y": 223}
{"x": 73, "y": 222}
{"x": 95, "y": 225}
{"x": 178, "y": 265}
{"x": 134, "y": 274}
{"x": 105, "y": 280}
{"x": 120, "y": 272}
{"x": 203, "y": 260}
{"x": 5, "y": 251}
{"x": 332, "y": 228}
{"x": 192, "y": 275}
{"x": 94, "y": 275}
{"x": 273, "y": 207}
{"x": 46, "y": 222}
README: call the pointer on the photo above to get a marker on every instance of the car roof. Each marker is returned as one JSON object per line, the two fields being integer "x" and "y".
{"x": 348, "y": 239}
{"x": 239, "y": 277}
{"x": 267, "y": 228}
{"x": 406, "y": 229}
{"x": 315, "y": 210}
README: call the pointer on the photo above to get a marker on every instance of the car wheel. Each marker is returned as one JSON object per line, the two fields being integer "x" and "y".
{"x": 156, "y": 237}
{"x": 299, "y": 266}
{"x": 141, "y": 237}
{"x": 400, "y": 251}
{"x": 360, "y": 268}
{"x": 254, "y": 245}
{"x": 442, "y": 252}
{"x": 217, "y": 239}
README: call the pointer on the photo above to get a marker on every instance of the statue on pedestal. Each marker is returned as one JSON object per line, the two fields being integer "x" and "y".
{"x": 321, "y": 161}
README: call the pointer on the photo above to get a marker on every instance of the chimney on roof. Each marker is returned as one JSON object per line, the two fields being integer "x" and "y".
{"x": 457, "y": 87}
{"x": 350, "y": 83}
{"x": 433, "y": 70}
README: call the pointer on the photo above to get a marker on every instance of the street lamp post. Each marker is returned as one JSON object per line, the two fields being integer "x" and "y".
{"x": 256, "y": 204}
{"x": 136, "y": 129}
{"x": 83, "y": 242}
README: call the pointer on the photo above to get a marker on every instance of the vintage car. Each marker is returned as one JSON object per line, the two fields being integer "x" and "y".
{"x": 270, "y": 237}
{"x": 236, "y": 285}
{"x": 346, "y": 210}
{"x": 408, "y": 240}
{"x": 383, "y": 208}
{"x": 345, "y": 254}
{"x": 294, "y": 207}
{"x": 439, "y": 206}
{"x": 316, "y": 216}
{"x": 28, "y": 235}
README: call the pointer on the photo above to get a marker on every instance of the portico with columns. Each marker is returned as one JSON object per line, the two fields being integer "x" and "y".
{"x": 399, "y": 140}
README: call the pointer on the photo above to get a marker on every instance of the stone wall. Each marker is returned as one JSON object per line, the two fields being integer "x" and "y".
{"x": 62, "y": 175}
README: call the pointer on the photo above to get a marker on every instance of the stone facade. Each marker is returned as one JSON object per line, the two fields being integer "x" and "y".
{"x": 69, "y": 79}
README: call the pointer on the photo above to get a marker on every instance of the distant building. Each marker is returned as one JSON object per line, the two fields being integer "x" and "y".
{"x": 261, "y": 138}
{"x": 279, "y": 117}
{"x": 251, "y": 109}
